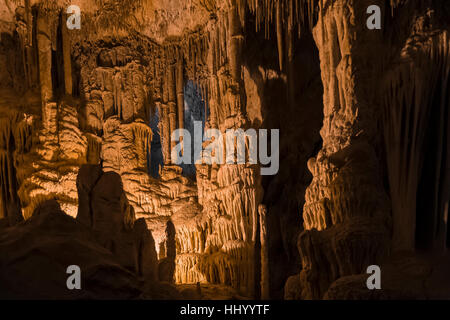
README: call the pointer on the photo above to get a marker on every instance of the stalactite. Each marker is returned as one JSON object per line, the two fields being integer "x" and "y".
{"x": 235, "y": 231}
{"x": 180, "y": 92}
{"x": 164, "y": 128}
{"x": 279, "y": 22}
{"x": 299, "y": 13}
{"x": 14, "y": 140}
{"x": 94, "y": 148}
{"x": 142, "y": 137}
{"x": 208, "y": 59}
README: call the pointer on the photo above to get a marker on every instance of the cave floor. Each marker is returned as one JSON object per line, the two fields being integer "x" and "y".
{"x": 209, "y": 292}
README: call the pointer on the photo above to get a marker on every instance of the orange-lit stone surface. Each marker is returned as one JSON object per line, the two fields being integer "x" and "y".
{"x": 86, "y": 118}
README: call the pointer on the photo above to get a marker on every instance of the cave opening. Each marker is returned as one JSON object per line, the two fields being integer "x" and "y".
{"x": 433, "y": 188}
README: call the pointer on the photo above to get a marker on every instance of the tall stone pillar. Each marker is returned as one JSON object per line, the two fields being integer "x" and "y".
{"x": 180, "y": 93}
{"x": 346, "y": 192}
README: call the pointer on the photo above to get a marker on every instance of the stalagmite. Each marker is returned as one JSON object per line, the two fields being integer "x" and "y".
{"x": 180, "y": 93}
{"x": 236, "y": 41}
{"x": 289, "y": 40}
{"x": 213, "y": 99}
{"x": 264, "y": 237}
{"x": 279, "y": 22}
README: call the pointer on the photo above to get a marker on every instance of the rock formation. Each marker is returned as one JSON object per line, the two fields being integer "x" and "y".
{"x": 87, "y": 118}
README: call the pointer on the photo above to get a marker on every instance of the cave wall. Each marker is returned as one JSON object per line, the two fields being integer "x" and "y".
{"x": 353, "y": 106}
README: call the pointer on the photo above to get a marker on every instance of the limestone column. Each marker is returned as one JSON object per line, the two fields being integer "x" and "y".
{"x": 180, "y": 93}
{"x": 265, "y": 293}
